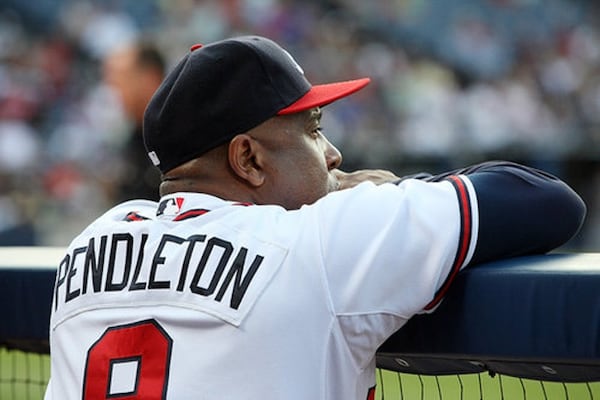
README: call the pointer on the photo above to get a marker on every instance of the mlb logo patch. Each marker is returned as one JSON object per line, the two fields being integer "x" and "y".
{"x": 170, "y": 206}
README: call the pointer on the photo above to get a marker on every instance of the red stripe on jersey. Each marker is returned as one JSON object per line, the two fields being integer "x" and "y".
{"x": 190, "y": 214}
{"x": 464, "y": 204}
{"x": 201, "y": 211}
{"x": 371, "y": 394}
{"x": 134, "y": 216}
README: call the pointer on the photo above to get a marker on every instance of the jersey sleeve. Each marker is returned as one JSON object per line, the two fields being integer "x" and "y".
{"x": 522, "y": 211}
{"x": 392, "y": 251}
{"x": 395, "y": 248}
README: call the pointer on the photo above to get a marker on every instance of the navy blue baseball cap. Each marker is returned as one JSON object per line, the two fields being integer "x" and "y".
{"x": 222, "y": 89}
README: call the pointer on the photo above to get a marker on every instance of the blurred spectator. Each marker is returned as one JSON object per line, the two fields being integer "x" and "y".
{"x": 453, "y": 82}
{"x": 134, "y": 72}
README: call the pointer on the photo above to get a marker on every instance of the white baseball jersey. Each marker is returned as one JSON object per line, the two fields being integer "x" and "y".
{"x": 196, "y": 297}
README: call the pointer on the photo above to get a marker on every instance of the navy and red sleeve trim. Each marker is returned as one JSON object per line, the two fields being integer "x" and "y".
{"x": 466, "y": 232}
{"x": 520, "y": 211}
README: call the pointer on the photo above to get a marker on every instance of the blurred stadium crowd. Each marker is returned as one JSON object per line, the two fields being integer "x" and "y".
{"x": 454, "y": 82}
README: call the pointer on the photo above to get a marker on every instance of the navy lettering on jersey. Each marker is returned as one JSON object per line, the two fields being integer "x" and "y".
{"x": 188, "y": 255}
{"x": 119, "y": 240}
{"x": 61, "y": 274}
{"x": 240, "y": 284}
{"x": 223, "y": 260}
{"x": 210, "y": 267}
{"x": 159, "y": 259}
{"x": 135, "y": 284}
{"x": 72, "y": 272}
{"x": 93, "y": 265}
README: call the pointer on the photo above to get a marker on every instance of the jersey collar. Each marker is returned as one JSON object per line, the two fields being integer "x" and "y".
{"x": 182, "y": 206}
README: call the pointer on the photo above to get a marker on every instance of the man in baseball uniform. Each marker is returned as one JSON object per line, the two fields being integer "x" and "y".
{"x": 265, "y": 272}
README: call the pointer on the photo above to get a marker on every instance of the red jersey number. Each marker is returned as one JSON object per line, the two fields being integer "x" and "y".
{"x": 129, "y": 362}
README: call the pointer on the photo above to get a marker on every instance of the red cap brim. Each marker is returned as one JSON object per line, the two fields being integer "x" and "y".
{"x": 320, "y": 95}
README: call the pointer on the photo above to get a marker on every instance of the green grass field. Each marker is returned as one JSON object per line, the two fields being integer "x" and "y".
{"x": 23, "y": 376}
{"x": 392, "y": 385}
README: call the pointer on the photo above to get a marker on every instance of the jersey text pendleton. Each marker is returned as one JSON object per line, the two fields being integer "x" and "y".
{"x": 206, "y": 266}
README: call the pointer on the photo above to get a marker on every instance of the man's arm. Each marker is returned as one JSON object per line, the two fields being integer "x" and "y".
{"x": 522, "y": 210}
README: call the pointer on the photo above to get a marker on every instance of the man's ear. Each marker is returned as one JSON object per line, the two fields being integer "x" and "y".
{"x": 245, "y": 159}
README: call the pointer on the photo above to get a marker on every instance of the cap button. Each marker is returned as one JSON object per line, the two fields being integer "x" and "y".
{"x": 195, "y": 47}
